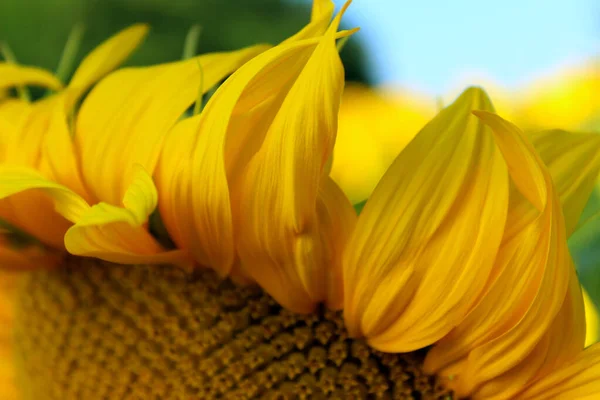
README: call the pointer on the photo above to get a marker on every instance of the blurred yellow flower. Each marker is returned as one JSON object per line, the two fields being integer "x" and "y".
{"x": 374, "y": 126}
{"x": 568, "y": 99}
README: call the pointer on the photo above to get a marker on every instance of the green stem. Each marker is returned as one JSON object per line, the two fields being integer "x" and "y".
{"x": 67, "y": 58}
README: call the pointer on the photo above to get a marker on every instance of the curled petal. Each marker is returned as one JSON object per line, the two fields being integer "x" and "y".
{"x": 118, "y": 234}
{"x": 15, "y": 180}
{"x": 534, "y": 261}
{"x": 578, "y": 379}
{"x": 428, "y": 236}
{"x": 12, "y": 75}
{"x": 573, "y": 161}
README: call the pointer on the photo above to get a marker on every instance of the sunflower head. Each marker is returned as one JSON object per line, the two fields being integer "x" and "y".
{"x": 183, "y": 249}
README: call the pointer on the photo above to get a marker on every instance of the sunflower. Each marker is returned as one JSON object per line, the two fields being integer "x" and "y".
{"x": 259, "y": 279}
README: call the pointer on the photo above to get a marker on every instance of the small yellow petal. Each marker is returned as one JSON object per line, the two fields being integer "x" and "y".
{"x": 118, "y": 234}
{"x": 592, "y": 320}
{"x": 108, "y": 56}
{"x": 578, "y": 379}
{"x": 428, "y": 236}
{"x": 12, "y": 75}
{"x": 14, "y": 180}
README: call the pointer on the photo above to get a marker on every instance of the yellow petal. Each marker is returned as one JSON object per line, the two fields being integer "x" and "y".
{"x": 203, "y": 154}
{"x": 535, "y": 263}
{"x": 59, "y": 159}
{"x": 126, "y": 117}
{"x": 592, "y": 320}
{"x": 557, "y": 347}
{"x": 14, "y": 180}
{"x": 574, "y": 163}
{"x": 12, "y": 75}
{"x": 277, "y": 198}
{"x": 578, "y": 379}
{"x": 23, "y": 143}
{"x": 118, "y": 234}
{"x": 428, "y": 236}
{"x": 108, "y": 56}
{"x": 13, "y": 113}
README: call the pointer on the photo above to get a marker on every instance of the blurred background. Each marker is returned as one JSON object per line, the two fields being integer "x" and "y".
{"x": 538, "y": 59}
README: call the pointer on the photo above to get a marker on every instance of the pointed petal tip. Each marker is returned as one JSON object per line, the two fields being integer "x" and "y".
{"x": 338, "y": 18}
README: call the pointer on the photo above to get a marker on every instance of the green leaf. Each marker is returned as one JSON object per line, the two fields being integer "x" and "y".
{"x": 359, "y": 206}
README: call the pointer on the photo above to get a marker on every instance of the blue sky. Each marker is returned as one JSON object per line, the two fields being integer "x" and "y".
{"x": 432, "y": 46}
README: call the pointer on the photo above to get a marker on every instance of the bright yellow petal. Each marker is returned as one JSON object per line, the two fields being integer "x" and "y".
{"x": 578, "y": 379}
{"x": 125, "y": 118}
{"x": 59, "y": 159}
{"x": 23, "y": 144}
{"x": 574, "y": 163}
{"x": 108, "y": 56}
{"x": 12, "y": 75}
{"x": 13, "y": 113}
{"x": 276, "y": 199}
{"x": 592, "y": 320}
{"x": 203, "y": 156}
{"x": 429, "y": 234}
{"x": 14, "y": 180}
{"x": 118, "y": 234}
{"x": 535, "y": 263}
